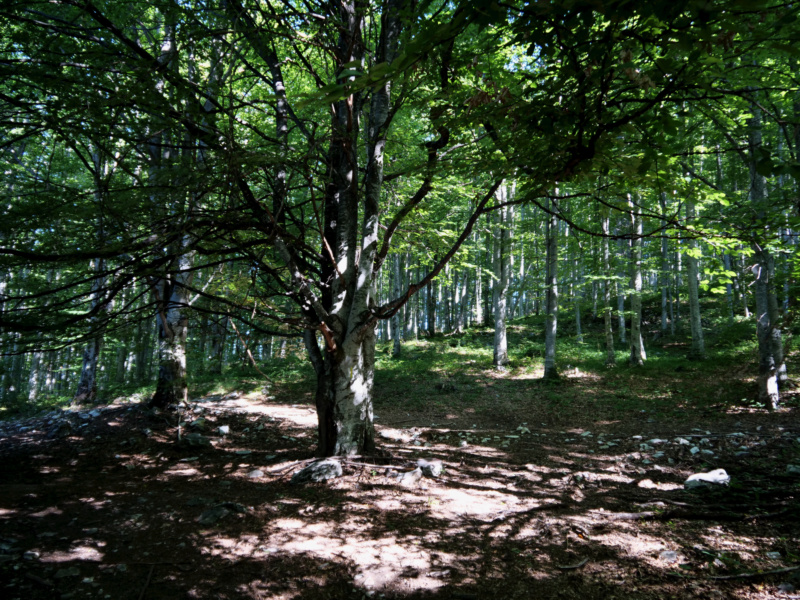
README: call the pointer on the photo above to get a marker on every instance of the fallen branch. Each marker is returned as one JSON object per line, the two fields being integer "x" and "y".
{"x": 756, "y": 574}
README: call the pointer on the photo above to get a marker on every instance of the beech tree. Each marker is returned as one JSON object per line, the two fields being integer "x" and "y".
{"x": 303, "y": 144}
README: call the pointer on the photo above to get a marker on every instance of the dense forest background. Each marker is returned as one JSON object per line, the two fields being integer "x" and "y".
{"x": 190, "y": 188}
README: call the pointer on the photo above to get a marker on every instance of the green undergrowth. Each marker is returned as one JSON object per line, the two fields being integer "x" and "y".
{"x": 454, "y": 372}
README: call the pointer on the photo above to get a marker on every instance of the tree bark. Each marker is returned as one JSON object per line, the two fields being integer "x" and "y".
{"x": 551, "y": 298}
{"x": 766, "y": 327}
{"x": 611, "y": 357}
{"x": 502, "y": 268}
{"x": 638, "y": 355}
{"x": 698, "y": 343}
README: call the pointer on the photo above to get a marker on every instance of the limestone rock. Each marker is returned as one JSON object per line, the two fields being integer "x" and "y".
{"x": 430, "y": 468}
{"x": 705, "y": 480}
{"x": 410, "y": 478}
{"x": 318, "y": 471}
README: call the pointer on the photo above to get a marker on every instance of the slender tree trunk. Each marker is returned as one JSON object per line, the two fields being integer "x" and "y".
{"x": 698, "y": 344}
{"x": 768, "y": 390}
{"x": 611, "y": 357}
{"x": 502, "y": 274}
{"x": 664, "y": 275}
{"x": 396, "y": 320}
{"x": 638, "y": 355}
{"x": 551, "y": 298}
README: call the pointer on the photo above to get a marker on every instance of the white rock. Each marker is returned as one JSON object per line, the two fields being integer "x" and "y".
{"x": 669, "y": 556}
{"x": 716, "y": 477}
{"x": 682, "y": 442}
{"x": 255, "y": 474}
{"x": 224, "y": 429}
{"x": 656, "y": 441}
{"x": 694, "y": 449}
{"x": 793, "y": 469}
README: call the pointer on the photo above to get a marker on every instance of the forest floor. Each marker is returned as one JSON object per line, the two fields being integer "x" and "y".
{"x": 566, "y": 490}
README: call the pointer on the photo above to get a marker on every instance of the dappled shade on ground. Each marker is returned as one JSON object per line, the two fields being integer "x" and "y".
{"x": 113, "y": 507}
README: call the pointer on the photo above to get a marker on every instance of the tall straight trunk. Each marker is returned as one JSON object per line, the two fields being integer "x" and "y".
{"x": 611, "y": 357}
{"x": 432, "y": 291}
{"x": 619, "y": 289}
{"x": 396, "y": 319}
{"x": 698, "y": 344}
{"x": 86, "y": 390}
{"x": 478, "y": 287}
{"x": 767, "y": 329}
{"x": 551, "y": 291}
{"x": 731, "y": 289}
{"x": 218, "y": 332}
{"x": 638, "y": 355}
{"x": 576, "y": 298}
{"x": 502, "y": 273}
{"x": 664, "y": 274}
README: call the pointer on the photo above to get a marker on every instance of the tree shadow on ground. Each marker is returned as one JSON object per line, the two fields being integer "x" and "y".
{"x": 116, "y": 508}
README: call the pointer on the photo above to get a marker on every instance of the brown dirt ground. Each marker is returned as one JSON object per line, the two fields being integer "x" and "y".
{"x": 572, "y": 508}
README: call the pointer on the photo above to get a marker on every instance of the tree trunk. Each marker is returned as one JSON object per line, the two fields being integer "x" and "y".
{"x": 502, "y": 268}
{"x": 611, "y": 357}
{"x": 698, "y": 344}
{"x": 173, "y": 328}
{"x": 638, "y": 355}
{"x": 768, "y": 390}
{"x": 551, "y": 298}
{"x": 664, "y": 275}
{"x": 398, "y": 286}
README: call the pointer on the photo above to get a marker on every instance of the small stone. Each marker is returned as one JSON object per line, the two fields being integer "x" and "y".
{"x": 707, "y": 452}
{"x": 31, "y": 555}
{"x": 224, "y": 429}
{"x": 793, "y": 469}
{"x": 694, "y": 450}
{"x": 645, "y": 447}
{"x": 68, "y": 572}
{"x": 682, "y": 441}
{"x": 409, "y": 478}
{"x": 430, "y": 468}
{"x": 710, "y": 479}
{"x": 255, "y": 474}
{"x": 774, "y": 555}
{"x": 212, "y": 515}
{"x": 656, "y": 441}
{"x": 786, "y": 588}
{"x": 318, "y": 471}
{"x": 669, "y": 556}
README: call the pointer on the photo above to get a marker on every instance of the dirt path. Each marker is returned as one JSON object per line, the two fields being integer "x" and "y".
{"x": 111, "y": 506}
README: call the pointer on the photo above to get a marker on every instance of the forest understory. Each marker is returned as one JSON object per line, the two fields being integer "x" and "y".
{"x": 570, "y": 489}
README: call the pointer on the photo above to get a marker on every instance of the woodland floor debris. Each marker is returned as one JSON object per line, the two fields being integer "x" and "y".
{"x": 550, "y": 512}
